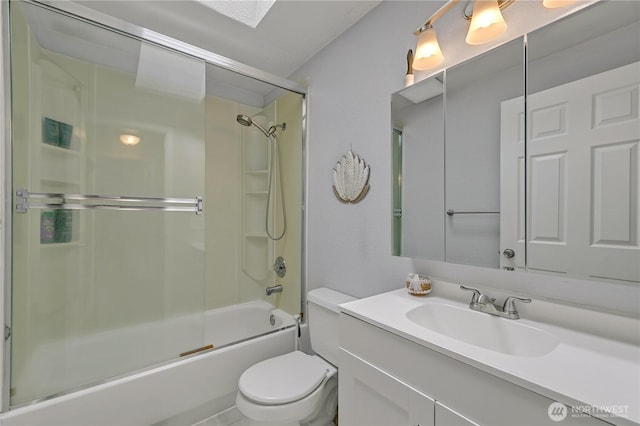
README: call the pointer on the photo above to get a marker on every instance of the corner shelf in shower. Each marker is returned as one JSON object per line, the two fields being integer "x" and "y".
{"x": 256, "y": 246}
{"x": 255, "y": 256}
{"x": 255, "y": 182}
{"x": 71, "y": 244}
{"x": 59, "y": 150}
{"x": 58, "y": 90}
{"x": 57, "y": 94}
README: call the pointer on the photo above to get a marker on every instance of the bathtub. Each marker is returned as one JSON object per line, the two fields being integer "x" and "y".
{"x": 198, "y": 385}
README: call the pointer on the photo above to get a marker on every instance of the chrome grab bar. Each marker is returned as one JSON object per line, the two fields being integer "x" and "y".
{"x": 57, "y": 201}
{"x": 451, "y": 212}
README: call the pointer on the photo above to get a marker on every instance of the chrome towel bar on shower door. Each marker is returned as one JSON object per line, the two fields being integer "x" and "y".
{"x": 451, "y": 212}
{"x": 55, "y": 201}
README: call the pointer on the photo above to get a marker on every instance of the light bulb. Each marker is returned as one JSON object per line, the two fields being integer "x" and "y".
{"x": 428, "y": 53}
{"x": 129, "y": 139}
{"x": 487, "y": 22}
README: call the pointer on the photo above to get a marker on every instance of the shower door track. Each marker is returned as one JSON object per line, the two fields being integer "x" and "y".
{"x": 56, "y": 201}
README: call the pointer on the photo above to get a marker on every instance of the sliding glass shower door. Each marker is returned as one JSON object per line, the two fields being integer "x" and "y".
{"x": 108, "y": 174}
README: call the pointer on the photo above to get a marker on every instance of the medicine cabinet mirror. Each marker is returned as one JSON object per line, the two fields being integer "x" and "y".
{"x": 553, "y": 189}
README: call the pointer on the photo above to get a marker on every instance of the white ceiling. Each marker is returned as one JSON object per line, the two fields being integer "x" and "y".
{"x": 290, "y": 33}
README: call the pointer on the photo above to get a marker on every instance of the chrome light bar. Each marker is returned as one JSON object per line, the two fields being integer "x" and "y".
{"x": 56, "y": 201}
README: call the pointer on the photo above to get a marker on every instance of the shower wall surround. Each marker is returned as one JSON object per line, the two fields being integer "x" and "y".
{"x": 349, "y": 106}
{"x": 238, "y": 250}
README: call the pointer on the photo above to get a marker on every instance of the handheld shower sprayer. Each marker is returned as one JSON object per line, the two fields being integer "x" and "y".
{"x": 245, "y": 120}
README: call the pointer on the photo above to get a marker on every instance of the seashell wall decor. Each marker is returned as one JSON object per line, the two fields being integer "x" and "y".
{"x": 350, "y": 178}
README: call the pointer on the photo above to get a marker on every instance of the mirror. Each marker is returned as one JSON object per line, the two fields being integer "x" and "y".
{"x": 447, "y": 194}
{"x": 418, "y": 172}
{"x": 463, "y": 150}
{"x": 475, "y": 131}
{"x": 583, "y": 145}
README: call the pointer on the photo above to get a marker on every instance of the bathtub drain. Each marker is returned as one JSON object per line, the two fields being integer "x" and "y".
{"x": 272, "y": 320}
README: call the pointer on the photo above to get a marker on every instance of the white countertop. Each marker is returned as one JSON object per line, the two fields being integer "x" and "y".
{"x": 582, "y": 371}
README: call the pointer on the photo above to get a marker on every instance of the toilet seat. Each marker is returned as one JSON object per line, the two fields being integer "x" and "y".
{"x": 284, "y": 379}
{"x": 285, "y": 414}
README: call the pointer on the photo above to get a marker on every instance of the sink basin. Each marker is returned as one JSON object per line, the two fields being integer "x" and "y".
{"x": 487, "y": 331}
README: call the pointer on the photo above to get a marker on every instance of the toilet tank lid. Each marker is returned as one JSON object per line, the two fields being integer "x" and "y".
{"x": 329, "y": 299}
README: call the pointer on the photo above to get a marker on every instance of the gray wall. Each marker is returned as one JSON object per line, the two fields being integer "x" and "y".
{"x": 349, "y": 246}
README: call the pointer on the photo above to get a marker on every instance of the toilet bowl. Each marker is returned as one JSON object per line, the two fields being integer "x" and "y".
{"x": 297, "y": 388}
{"x": 294, "y": 388}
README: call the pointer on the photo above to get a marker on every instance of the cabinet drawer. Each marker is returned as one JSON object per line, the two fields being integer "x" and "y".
{"x": 479, "y": 396}
{"x": 370, "y": 397}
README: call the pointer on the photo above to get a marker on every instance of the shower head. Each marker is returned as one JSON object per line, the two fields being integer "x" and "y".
{"x": 245, "y": 120}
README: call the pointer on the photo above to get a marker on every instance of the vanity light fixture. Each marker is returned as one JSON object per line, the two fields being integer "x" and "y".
{"x": 487, "y": 23}
{"x": 130, "y": 140}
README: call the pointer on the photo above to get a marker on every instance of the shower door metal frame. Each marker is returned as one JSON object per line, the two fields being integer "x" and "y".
{"x": 119, "y": 26}
{"x": 109, "y": 23}
{"x": 5, "y": 205}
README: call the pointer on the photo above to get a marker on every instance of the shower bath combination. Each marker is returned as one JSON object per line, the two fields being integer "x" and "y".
{"x": 270, "y": 133}
{"x": 107, "y": 249}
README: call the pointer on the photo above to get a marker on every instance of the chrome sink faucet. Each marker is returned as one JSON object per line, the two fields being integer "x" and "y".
{"x": 483, "y": 303}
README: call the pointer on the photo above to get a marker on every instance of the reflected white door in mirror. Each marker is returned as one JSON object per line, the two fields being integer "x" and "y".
{"x": 582, "y": 163}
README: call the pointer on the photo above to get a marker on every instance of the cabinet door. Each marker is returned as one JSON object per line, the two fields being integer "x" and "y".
{"x": 444, "y": 416}
{"x": 369, "y": 397}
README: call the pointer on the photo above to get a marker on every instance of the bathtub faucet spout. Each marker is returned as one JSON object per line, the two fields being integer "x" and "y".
{"x": 274, "y": 289}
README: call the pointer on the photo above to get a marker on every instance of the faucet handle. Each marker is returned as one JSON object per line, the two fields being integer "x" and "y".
{"x": 485, "y": 299}
{"x": 476, "y": 294}
{"x": 509, "y": 304}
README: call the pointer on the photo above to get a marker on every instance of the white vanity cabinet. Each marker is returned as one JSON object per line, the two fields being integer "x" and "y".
{"x": 389, "y": 380}
{"x": 375, "y": 398}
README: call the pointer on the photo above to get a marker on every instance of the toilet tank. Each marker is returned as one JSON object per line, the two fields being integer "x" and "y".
{"x": 323, "y": 313}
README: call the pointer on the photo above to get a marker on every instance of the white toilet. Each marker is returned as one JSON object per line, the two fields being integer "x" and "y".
{"x": 296, "y": 388}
